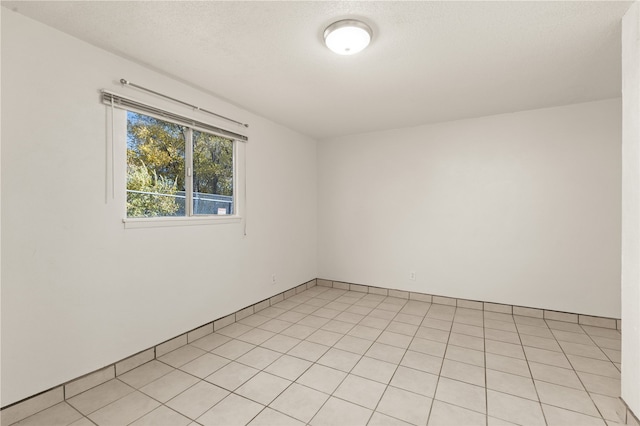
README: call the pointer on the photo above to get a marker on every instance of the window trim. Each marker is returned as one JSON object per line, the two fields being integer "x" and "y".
{"x": 119, "y": 140}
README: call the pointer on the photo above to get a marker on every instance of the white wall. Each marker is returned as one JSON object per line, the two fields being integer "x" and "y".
{"x": 78, "y": 290}
{"x": 631, "y": 208}
{"x": 519, "y": 208}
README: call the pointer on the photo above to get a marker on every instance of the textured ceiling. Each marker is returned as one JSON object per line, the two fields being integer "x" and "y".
{"x": 428, "y": 62}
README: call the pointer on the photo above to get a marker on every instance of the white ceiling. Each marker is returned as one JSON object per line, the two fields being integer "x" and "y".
{"x": 428, "y": 62}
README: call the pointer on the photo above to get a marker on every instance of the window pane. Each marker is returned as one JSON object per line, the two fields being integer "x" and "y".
{"x": 212, "y": 174}
{"x": 155, "y": 167}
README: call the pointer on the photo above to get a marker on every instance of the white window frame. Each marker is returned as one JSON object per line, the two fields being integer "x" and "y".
{"x": 119, "y": 178}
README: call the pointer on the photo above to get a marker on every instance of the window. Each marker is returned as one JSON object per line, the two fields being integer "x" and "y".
{"x": 177, "y": 170}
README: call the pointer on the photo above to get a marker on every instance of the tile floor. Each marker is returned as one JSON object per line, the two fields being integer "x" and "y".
{"x": 336, "y": 357}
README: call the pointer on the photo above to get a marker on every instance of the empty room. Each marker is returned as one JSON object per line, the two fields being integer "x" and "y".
{"x": 320, "y": 213}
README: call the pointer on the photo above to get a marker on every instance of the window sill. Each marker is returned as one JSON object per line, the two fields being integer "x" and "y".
{"x": 161, "y": 222}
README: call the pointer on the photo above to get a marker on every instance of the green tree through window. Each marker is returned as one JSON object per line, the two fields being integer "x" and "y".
{"x": 156, "y": 165}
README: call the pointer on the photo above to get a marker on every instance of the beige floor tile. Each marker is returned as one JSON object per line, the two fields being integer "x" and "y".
{"x": 500, "y": 325}
{"x": 535, "y": 331}
{"x": 429, "y": 347}
{"x": 259, "y": 357}
{"x": 408, "y": 329}
{"x": 234, "y": 410}
{"x": 293, "y": 316}
{"x": 233, "y": 349}
{"x": 349, "y": 317}
{"x": 605, "y": 342}
{"x": 299, "y": 402}
{"x": 602, "y": 332}
{"x": 360, "y": 391}
{"x": 145, "y": 374}
{"x": 338, "y": 412}
{"x": 298, "y": 331}
{"x": 505, "y": 349}
{"x": 60, "y": 414}
{"x": 308, "y": 350}
{"x": 232, "y": 376}
{"x": 169, "y": 385}
{"x": 275, "y": 325}
{"x": 600, "y": 384}
{"x": 254, "y": 320}
{"x": 498, "y": 316}
{"x": 182, "y": 355}
{"x": 536, "y": 322}
{"x": 385, "y": 352}
{"x": 339, "y": 359}
{"x": 540, "y": 342}
{"x": 162, "y": 416}
{"x": 104, "y": 394}
{"x": 461, "y": 394}
{"x": 270, "y": 417}
{"x": 263, "y": 387}
{"x": 325, "y": 337}
{"x": 567, "y": 336}
{"x": 470, "y": 342}
{"x": 404, "y": 405}
{"x": 467, "y": 330}
{"x": 321, "y": 378}
{"x": 338, "y": 326}
{"x": 374, "y": 369}
{"x": 465, "y": 355}
{"x": 374, "y": 322}
{"x": 197, "y": 399}
{"x": 556, "y": 375}
{"x": 594, "y": 366}
{"x": 492, "y": 421}
{"x": 511, "y": 384}
{"x": 354, "y": 344}
{"x": 589, "y": 351}
{"x": 423, "y": 362}
{"x": 508, "y": 365}
{"x": 125, "y": 410}
{"x": 256, "y": 336}
{"x": 514, "y": 409}
{"x": 544, "y": 356}
{"x": 433, "y": 334}
{"x": 443, "y": 414}
{"x": 205, "y": 365}
{"x": 463, "y": 372}
{"x": 613, "y": 355}
{"x": 82, "y": 422}
{"x": 564, "y": 326}
{"x": 394, "y": 339}
{"x": 502, "y": 336}
{"x": 280, "y": 343}
{"x": 560, "y": 417}
{"x": 272, "y": 312}
{"x": 438, "y": 324}
{"x": 608, "y": 407}
{"x": 210, "y": 341}
{"x": 288, "y": 367}
{"x": 564, "y": 397}
{"x": 379, "y": 419}
{"x": 234, "y": 330}
{"x": 327, "y": 313}
{"x": 415, "y": 381}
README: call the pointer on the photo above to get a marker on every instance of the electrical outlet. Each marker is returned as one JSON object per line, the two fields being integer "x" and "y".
{"x": 412, "y": 275}
{"x": 273, "y": 279}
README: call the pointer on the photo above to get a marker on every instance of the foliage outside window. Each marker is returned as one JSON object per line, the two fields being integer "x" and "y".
{"x": 175, "y": 170}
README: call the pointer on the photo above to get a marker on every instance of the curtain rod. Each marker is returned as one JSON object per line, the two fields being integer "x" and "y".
{"x": 128, "y": 83}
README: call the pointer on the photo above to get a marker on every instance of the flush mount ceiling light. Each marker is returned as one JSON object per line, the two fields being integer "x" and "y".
{"x": 347, "y": 37}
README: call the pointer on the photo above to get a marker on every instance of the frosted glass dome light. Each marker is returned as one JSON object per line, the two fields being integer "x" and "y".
{"x": 347, "y": 37}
